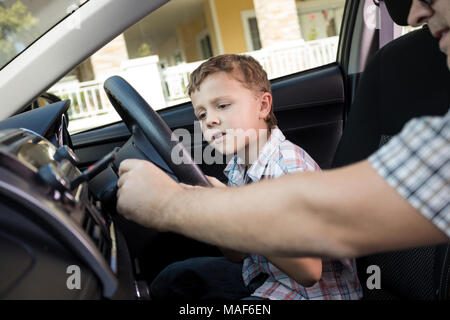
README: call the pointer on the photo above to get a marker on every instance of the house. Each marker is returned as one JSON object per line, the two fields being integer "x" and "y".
{"x": 185, "y": 31}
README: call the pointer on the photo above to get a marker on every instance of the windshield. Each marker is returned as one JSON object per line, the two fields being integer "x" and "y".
{"x": 24, "y": 21}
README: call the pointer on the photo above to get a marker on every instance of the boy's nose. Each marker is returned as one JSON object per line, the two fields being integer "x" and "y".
{"x": 419, "y": 13}
{"x": 212, "y": 121}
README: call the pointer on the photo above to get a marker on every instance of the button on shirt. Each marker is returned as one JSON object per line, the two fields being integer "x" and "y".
{"x": 416, "y": 163}
{"x": 339, "y": 278}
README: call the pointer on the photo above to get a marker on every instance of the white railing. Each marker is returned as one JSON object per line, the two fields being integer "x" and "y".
{"x": 278, "y": 61}
{"x": 88, "y": 99}
{"x": 296, "y": 56}
{"x": 175, "y": 81}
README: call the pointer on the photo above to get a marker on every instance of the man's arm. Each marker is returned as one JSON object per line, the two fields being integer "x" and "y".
{"x": 345, "y": 212}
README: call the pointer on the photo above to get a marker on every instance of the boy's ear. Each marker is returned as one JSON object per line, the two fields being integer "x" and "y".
{"x": 266, "y": 105}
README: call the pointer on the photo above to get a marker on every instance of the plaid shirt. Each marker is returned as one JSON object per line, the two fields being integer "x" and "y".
{"x": 339, "y": 278}
{"x": 417, "y": 164}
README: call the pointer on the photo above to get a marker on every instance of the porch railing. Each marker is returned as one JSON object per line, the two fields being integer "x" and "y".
{"x": 175, "y": 81}
{"x": 87, "y": 98}
{"x": 297, "y": 56}
{"x": 278, "y": 61}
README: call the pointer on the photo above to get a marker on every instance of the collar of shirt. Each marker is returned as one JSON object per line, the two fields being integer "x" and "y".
{"x": 235, "y": 170}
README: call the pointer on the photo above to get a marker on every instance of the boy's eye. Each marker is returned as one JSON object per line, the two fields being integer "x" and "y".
{"x": 201, "y": 116}
{"x": 223, "y": 106}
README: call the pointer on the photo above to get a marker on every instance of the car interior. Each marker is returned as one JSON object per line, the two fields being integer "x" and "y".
{"x": 57, "y": 189}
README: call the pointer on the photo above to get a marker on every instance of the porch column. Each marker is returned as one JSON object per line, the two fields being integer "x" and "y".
{"x": 277, "y": 21}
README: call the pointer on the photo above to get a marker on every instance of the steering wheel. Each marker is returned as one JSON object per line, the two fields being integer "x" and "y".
{"x": 137, "y": 114}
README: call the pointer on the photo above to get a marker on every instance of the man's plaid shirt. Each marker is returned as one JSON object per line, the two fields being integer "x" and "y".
{"x": 339, "y": 278}
{"x": 417, "y": 164}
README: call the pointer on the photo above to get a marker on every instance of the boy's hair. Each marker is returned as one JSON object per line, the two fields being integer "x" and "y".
{"x": 252, "y": 76}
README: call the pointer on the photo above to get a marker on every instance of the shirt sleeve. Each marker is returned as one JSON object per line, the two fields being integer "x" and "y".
{"x": 416, "y": 163}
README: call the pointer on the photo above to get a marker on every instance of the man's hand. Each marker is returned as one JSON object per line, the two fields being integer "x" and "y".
{"x": 143, "y": 192}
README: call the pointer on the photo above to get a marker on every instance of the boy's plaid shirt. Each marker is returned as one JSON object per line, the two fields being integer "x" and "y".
{"x": 339, "y": 278}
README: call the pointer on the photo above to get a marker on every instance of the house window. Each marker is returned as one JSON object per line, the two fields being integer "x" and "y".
{"x": 251, "y": 31}
{"x": 254, "y": 33}
{"x": 204, "y": 45}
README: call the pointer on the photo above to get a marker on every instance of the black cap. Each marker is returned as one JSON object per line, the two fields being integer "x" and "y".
{"x": 399, "y": 10}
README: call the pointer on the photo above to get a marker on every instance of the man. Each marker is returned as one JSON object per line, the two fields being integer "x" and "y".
{"x": 352, "y": 211}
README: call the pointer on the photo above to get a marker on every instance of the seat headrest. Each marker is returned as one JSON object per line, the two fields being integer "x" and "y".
{"x": 399, "y": 10}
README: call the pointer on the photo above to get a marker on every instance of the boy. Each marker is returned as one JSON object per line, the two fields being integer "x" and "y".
{"x": 232, "y": 99}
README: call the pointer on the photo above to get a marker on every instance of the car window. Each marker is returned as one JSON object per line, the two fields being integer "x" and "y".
{"x": 24, "y": 21}
{"x": 157, "y": 54}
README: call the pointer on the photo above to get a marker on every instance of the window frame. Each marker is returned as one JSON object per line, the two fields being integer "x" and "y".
{"x": 198, "y": 40}
{"x": 246, "y": 15}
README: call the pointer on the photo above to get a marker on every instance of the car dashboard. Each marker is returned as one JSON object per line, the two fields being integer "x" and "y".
{"x": 56, "y": 239}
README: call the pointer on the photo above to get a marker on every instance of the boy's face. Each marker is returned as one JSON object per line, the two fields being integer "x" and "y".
{"x": 230, "y": 114}
{"x": 437, "y": 15}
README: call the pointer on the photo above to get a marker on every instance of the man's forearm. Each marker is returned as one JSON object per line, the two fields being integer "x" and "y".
{"x": 341, "y": 213}
{"x": 267, "y": 217}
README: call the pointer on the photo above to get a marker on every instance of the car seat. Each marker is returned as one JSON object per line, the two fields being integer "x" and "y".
{"x": 407, "y": 78}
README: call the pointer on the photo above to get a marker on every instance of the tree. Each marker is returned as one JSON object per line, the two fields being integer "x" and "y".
{"x": 14, "y": 21}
